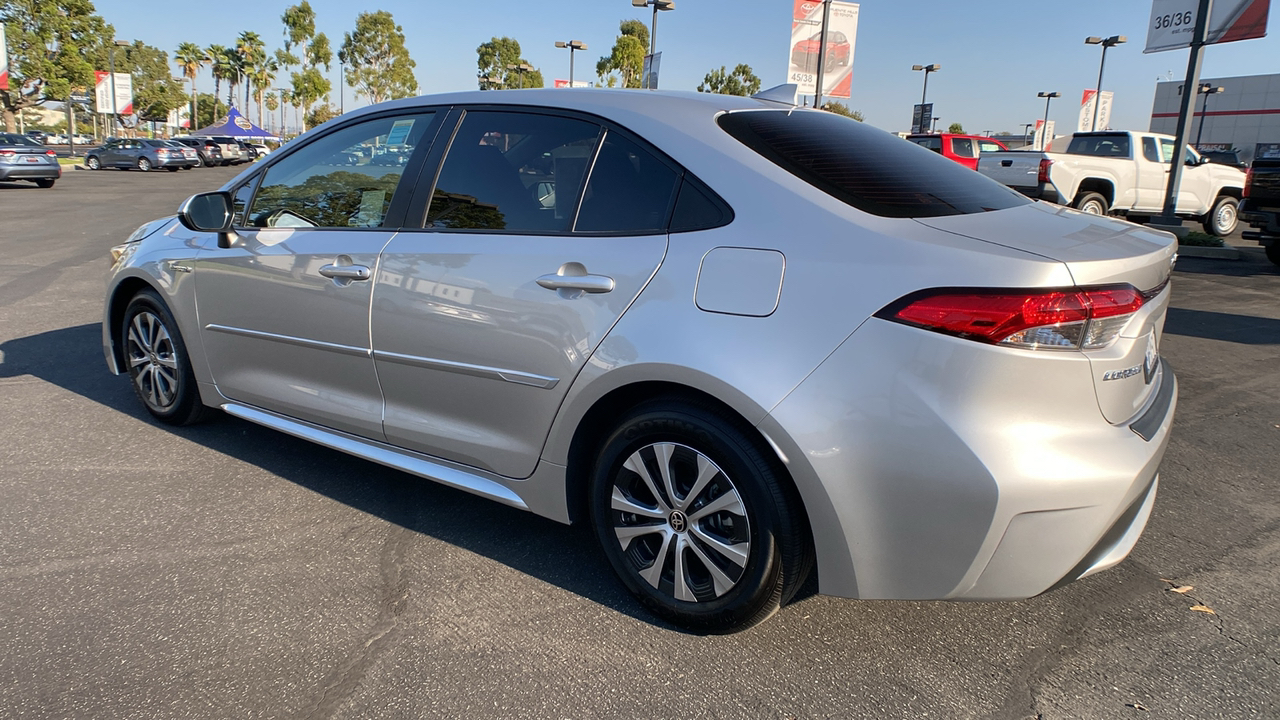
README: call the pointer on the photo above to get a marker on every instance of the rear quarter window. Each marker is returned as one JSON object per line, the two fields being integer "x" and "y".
{"x": 867, "y": 168}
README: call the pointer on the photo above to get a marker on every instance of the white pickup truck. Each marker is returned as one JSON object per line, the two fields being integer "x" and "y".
{"x": 1122, "y": 173}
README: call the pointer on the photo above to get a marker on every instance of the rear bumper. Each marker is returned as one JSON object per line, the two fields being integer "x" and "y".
{"x": 1267, "y": 220}
{"x": 938, "y": 468}
{"x": 1046, "y": 192}
{"x": 30, "y": 172}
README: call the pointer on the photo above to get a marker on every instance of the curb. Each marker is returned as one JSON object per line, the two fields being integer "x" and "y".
{"x": 1214, "y": 253}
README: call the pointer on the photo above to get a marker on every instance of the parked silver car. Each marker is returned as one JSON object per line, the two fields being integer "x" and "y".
{"x": 144, "y": 154}
{"x": 23, "y": 158}
{"x": 738, "y": 338}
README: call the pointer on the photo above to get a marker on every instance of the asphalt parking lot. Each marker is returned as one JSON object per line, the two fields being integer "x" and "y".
{"x": 226, "y": 570}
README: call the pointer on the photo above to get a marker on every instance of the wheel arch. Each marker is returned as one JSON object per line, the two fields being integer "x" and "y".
{"x": 1103, "y": 186}
{"x": 123, "y": 292}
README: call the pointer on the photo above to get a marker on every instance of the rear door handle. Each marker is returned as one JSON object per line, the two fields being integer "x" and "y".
{"x": 346, "y": 272}
{"x": 574, "y": 276}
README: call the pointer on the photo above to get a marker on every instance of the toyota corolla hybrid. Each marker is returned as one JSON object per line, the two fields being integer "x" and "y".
{"x": 743, "y": 341}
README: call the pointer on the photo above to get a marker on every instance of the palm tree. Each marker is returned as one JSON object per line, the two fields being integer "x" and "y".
{"x": 263, "y": 76}
{"x": 252, "y": 52}
{"x": 190, "y": 58}
{"x": 218, "y": 60}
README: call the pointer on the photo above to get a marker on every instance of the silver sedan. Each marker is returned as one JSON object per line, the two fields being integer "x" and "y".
{"x": 740, "y": 339}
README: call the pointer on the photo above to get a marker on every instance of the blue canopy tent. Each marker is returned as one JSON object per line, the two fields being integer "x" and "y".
{"x": 237, "y": 126}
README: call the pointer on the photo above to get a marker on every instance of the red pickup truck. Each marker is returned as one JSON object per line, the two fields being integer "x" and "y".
{"x": 964, "y": 149}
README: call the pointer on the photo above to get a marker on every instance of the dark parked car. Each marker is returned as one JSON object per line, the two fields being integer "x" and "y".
{"x": 37, "y": 135}
{"x": 1261, "y": 206}
{"x": 22, "y": 158}
{"x": 210, "y": 152}
{"x": 140, "y": 153}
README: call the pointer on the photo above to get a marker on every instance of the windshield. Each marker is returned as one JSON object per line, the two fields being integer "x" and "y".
{"x": 867, "y": 168}
{"x": 16, "y": 139}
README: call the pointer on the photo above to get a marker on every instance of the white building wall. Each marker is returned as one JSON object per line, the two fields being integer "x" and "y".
{"x": 1246, "y": 113}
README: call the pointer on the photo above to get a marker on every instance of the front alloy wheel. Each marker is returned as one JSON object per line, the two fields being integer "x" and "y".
{"x": 144, "y": 164}
{"x": 157, "y": 361}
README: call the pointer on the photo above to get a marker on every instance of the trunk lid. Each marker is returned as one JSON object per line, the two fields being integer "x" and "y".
{"x": 1097, "y": 251}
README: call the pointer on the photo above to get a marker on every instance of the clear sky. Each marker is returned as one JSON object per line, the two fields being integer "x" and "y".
{"x": 995, "y": 55}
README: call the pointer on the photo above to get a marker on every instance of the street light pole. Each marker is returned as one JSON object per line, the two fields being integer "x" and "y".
{"x": 663, "y": 5}
{"x": 1048, "y": 98}
{"x": 924, "y": 94}
{"x": 1026, "y": 133}
{"x": 520, "y": 70}
{"x": 935, "y": 123}
{"x": 572, "y": 45}
{"x": 1105, "y": 43}
{"x": 1206, "y": 89}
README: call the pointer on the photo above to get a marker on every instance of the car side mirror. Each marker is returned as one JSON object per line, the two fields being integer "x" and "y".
{"x": 208, "y": 212}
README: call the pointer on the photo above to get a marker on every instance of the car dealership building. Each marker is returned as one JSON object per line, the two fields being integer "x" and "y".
{"x": 1245, "y": 113}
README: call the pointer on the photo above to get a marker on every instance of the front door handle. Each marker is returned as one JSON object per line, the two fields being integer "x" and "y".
{"x": 346, "y": 272}
{"x": 573, "y": 276}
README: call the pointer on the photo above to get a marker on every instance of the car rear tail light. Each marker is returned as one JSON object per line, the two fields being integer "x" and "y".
{"x": 1070, "y": 319}
{"x": 1043, "y": 176}
{"x": 51, "y": 153}
{"x": 7, "y": 153}
{"x": 1248, "y": 181}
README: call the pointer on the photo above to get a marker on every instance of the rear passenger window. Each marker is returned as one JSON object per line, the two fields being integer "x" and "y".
{"x": 962, "y": 147}
{"x": 514, "y": 172}
{"x": 1149, "y": 150}
{"x": 344, "y": 179}
{"x": 630, "y": 190}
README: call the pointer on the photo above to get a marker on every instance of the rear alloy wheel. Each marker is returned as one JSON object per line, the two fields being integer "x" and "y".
{"x": 144, "y": 164}
{"x": 92, "y": 163}
{"x": 1092, "y": 203}
{"x": 1224, "y": 216}
{"x": 695, "y": 520}
{"x": 45, "y": 183}
{"x": 158, "y": 363}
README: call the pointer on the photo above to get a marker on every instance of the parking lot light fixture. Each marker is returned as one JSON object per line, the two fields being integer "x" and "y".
{"x": 521, "y": 69}
{"x": 1026, "y": 133}
{"x": 663, "y": 5}
{"x": 572, "y": 45}
{"x": 1206, "y": 89}
{"x": 935, "y": 67}
{"x": 1048, "y": 98}
{"x": 1105, "y": 43}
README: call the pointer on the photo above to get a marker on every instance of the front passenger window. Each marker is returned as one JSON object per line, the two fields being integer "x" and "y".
{"x": 345, "y": 179}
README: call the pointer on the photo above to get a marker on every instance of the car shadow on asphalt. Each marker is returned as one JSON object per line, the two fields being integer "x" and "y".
{"x": 564, "y": 556}
{"x": 1242, "y": 329}
{"x": 1254, "y": 263}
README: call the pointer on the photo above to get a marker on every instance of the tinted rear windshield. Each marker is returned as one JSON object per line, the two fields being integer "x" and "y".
{"x": 1116, "y": 145}
{"x": 867, "y": 168}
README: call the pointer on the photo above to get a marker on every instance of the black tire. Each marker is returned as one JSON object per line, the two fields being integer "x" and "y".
{"x": 93, "y": 163}
{"x": 144, "y": 164}
{"x": 1273, "y": 252}
{"x": 158, "y": 363}
{"x": 1223, "y": 218}
{"x": 208, "y": 162}
{"x": 723, "y": 591}
{"x": 1092, "y": 203}
{"x": 45, "y": 182}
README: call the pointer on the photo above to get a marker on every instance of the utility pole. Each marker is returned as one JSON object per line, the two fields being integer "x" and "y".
{"x": 1194, "y": 65}
{"x": 822, "y": 54}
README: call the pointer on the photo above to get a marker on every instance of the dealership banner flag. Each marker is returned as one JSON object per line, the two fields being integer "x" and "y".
{"x": 806, "y": 41}
{"x": 4, "y": 60}
{"x": 1173, "y": 22}
{"x": 1086, "y": 111}
{"x": 123, "y": 91}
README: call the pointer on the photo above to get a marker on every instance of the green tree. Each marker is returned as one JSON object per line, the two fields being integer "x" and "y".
{"x": 494, "y": 59}
{"x": 264, "y": 76}
{"x": 625, "y": 62}
{"x": 378, "y": 64}
{"x": 208, "y": 111}
{"x": 155, "y": 92}
{"x": 252, "y": 52}
{"x": 190, "y": 57}
{"x": 956, "y": 128}
{"x": 842, "y": 109}
{"x": 742, "y": 81}
{"x": 322, "y": 114}
{"x": 313, "y": 51}
{"x": 52, "y": 46}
